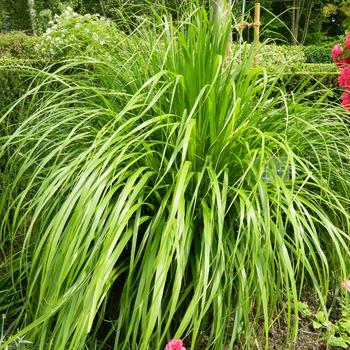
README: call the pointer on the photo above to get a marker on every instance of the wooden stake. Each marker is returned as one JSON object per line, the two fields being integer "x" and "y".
{"x": 256, "y": 26}
{"x": 257, "y": 23}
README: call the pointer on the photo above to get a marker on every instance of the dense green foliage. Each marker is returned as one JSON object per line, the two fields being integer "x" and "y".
{"x": 281, "y": 56}
{"x": 18, "y": 45}
{"x": 169, "y": 193}
{"x": 311, "y": 22}
{"x": 304, "y": 22}
{"x": 11, "y": 86}
{"x": 318, "y": 54}
{"x": 17, "y": 16}
{"x": 16, "y": 49}
{"x": 14, "y": 15}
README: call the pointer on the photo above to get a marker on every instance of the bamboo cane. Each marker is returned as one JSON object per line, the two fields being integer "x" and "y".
{"x": 256, "y": 26}
{"x": 257, "y": 23}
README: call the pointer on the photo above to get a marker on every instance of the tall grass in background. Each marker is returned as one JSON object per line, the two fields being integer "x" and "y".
{"x": 171, "y": 193}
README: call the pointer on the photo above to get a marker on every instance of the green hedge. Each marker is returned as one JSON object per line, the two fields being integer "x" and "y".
{"x": 318, "y": 54}
{"x": 12, "y": 84}
{"x": 18, "y": 45}
{"x": 16, "y": 49}
{"x": 281, "y": 55}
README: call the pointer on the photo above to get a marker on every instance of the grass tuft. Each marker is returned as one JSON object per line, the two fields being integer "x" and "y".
{"x": 170, "y": 193}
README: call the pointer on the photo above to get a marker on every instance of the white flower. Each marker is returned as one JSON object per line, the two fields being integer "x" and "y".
{"x": 102, "y": 42}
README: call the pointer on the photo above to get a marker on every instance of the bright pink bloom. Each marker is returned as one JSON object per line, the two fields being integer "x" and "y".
{"x": 175, "y": 344}
{"x": 337, "y": 55}
{"x": 347, "y": 41}
{"x": 344, "y": 78}
{"x": 345, "y": 102}
{"x": 337, "y": 51}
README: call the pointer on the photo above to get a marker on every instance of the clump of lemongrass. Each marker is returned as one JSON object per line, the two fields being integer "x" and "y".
{"x": 168, "y": 193}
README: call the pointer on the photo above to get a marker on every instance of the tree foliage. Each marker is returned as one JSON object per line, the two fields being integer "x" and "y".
{"x": 301, "y": 21}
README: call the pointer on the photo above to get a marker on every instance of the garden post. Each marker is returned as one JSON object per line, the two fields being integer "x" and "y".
{"x": 256, "y": 26}
{"x": 257, "y": 23}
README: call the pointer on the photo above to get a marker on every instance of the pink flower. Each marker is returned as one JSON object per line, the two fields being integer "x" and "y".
{"x": 175, "y": 344}
{"x": 337, "y": 51}
{"x": 344, "y": 78}
{"x": 345, "y": 102}
{"x": 337, "y": 55}
{"x": 347, "y": 41}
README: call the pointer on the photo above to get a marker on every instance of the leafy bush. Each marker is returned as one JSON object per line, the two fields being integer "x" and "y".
{"x": 18, "y": 45}
{"x": 13, "y": 81}
{"x": 72, "y": 35}
{"x": 318, "y": 54}
{"x": 169, "y": 192}
{"x": 43, "y": 21}
{"x": 11, "y": 86}
{"x": 15, "y": 78}
{"x": 281, "y": 55}
{"x": 271, "y": 55}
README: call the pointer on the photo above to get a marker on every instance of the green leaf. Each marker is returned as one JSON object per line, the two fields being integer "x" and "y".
{"x": 304, "y": 309}
{"x": 345, "y": 325}
{"x": 337, "y": 341}
{"x": 316, "y": 325}
{"x": 321, "y": 317}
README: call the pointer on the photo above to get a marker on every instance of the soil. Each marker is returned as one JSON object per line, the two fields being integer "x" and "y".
{"x": 308, "y": 338}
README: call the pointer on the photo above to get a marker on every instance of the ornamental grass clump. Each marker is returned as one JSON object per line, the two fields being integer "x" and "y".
{"x": 169, "y": 193}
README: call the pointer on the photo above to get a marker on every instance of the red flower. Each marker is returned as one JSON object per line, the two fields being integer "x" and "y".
{"x": 345, "y": 102}
{"x": 337, "y": 51}
{"x": 175, "y": 344}
{"x": 343, "y": 62}
{"x": 344, "y": 78}
{"x": 347, "y": 41}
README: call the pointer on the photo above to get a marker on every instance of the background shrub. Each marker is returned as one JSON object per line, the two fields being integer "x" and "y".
{"x": 281, "y": 55}
{"x": 18, "y": 45}
{"x": 16, "y": 75}
{"x": 272, "y": 55}
{"x": 72, "y": 35}
{"x": 318, "y": 54}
